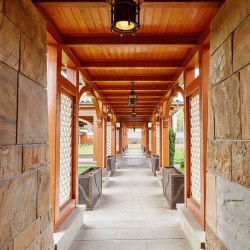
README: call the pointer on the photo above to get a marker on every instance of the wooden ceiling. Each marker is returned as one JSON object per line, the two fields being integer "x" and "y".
{"x": 171, "y": 33}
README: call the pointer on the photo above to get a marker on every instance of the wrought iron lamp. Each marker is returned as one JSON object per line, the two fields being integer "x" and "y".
{"x": 133, "y": 114}
{"x": 132, "y": 98}
{"x": 125, "y": 16}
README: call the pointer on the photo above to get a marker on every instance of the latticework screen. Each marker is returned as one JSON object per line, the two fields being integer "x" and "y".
{"x": 117, "y": 140}
{"x": 195, "y": 146}
{"x": 149, "y": 139}
{"x": 65, "y": 148}
{"x": 108, "y": 140}
{"x": 158, "y": 140}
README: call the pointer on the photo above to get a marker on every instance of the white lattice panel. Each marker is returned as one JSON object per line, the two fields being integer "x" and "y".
{"x": 158, "y": 140}
{"x": 195, "y": 147}
{"x": 65, "y": 148}
{"x": 108, "y": 140}
{"x": 149, "y": 139}
{"x": 117, "y": 140}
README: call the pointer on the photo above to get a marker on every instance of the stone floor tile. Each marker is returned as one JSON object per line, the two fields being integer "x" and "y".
{"x": 169, "y": 244}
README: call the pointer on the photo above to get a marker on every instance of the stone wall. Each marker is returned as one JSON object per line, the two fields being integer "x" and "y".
{"x": 228, "y": 176}
{"x": 25, "y": 209}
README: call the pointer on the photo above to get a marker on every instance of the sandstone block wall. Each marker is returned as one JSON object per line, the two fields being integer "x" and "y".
{"x": 228, "y": 170}
{"x": 25, "y": 209}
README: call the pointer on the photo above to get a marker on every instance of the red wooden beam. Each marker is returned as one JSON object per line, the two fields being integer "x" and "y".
{"x": 183, "y": 4}
{"x": 170, "y": 64}
{"x": 133, "y": 78}
{"x": 185, "y": 40}
{"x": 72, "y": 4}
{"x": 146, "y": 3}
{"x": 137, "y": 87}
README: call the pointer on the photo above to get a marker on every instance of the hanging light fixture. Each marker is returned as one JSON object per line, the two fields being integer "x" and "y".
{"x": 125, "y": 16}
{"x": 133, "y": 114}
{"x": 132, "y": 97}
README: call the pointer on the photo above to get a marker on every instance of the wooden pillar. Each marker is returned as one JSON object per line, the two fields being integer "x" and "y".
{"x": 165, "y": 143}
{"x": 104, "y": 124}
{"x": 153, "y": 135}
{"x": 147, "y": 139}
{"x": 197, "y": 86}
{"x": 113, "y": 139}
{"x": 94, "y": 138}
{"x": 99, "y": 143}
{"x": 161, "y": 144}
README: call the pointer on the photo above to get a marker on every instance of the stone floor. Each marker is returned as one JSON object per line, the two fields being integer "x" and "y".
{"x": 131, "y": 214}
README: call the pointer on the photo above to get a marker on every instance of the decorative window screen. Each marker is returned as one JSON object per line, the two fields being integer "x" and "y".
{"x": 66, "y": 117}
{"x": 117, "y": 140}
{"x": 149, "y": 139}
{"x": 158, "y": 140}
{"x": 195, "y": 146}
{"x": 108, "y": 140}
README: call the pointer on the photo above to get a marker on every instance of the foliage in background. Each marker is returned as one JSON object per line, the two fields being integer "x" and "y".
{"x": 171, "y": 146}
{"x": 180, "y": 121}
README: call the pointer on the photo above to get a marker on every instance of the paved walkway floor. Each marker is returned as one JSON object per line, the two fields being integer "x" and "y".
{"x": 131, "y": 214}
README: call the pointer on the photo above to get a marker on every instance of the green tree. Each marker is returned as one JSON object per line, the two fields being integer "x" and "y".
{"x": 180, "y": 121}
{"x": 171, "y": 146}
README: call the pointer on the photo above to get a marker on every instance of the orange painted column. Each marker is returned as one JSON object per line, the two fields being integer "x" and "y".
{"x": 113, "y": 140}
{"x": 99, "y": 138}
{"x": 104, "y": 124}
{"x": 153, "y": 137}
{"x": 94, "y": 139}
{"x": 161, "y": 142}
{"x": 165, "y": 142}
{"x": 147, "y": 139}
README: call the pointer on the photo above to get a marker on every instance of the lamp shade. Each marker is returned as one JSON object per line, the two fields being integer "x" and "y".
{"x": 125, "y": 16}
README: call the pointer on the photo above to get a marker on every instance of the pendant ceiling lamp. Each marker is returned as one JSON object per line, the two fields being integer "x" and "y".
{"x": 133, "y": 114}
{"x": 132, "y": 98}
{"x": 125, "y": 16}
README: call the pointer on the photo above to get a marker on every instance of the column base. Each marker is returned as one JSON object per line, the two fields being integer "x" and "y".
{"x": 67, "y": 232}
{"x": 192, "y": 229}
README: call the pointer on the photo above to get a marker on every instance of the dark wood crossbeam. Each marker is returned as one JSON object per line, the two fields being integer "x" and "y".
{"x": 133, "y": 78}
{"x": 167, "y": 64}
{"x": 145, "y": 3}
{"x": 137, "y": 87}
{"x": 185, "y": 40}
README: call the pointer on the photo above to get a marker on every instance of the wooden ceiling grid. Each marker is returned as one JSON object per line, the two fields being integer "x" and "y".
{"x": 170, "y": 35}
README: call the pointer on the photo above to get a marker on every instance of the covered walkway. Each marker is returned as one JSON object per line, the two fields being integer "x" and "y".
{"x": 131, "y": 214}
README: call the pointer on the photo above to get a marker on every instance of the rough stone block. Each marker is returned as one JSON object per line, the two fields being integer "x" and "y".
{"x": 47, "y": 154}
{"x": 25, "y": 238}
{"x": 32, "y": 112}
{"x": 25, "y": 15}
{"x": 43, "y": 199}
{"x": 9, "y": 42}
{"x": 44, "y": 241}
{"x": 18, "y": 205}
{"x": 33, "y": 156}
{"x": 211, "y": 201}
{"x": 241, "y": 45}
{"x": 212, "y": 241}
{"x": 210, "y": 116}
{"x": 245, "y": 103}
{"x": 33, "y": 61}
{"x": 233, "y": 217}
{"x": 219, "y": 158}
{"x": 45, "y": 219}
{"x": 9, "y": 246}
{"x": 230, "y": 15}
{"x": 226, "y": 102}
{"x": 241, "y": 163}
{"x": 221, "y": 62}
{"x": 8, "y": 104}
{"x": 10, "y": 161}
